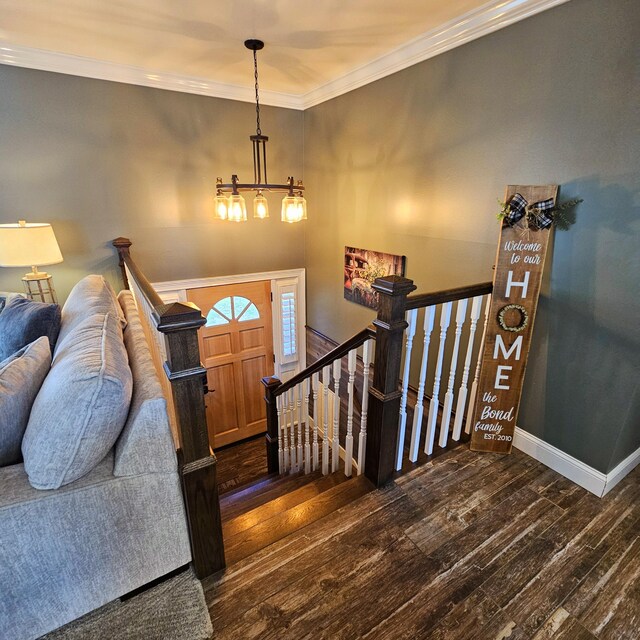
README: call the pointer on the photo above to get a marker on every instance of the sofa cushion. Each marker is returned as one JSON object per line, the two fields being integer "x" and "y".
{"x": 66, "y": 552}
{"x": 82, "y": 406}
{"x": 23, "y": 321}
{"x": 145, "y": 444}
{"x": 21, "y": 376}
{"x": 93, "y": 294}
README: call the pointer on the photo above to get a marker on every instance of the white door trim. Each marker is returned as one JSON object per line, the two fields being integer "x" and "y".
{"x": 176, "y": 291}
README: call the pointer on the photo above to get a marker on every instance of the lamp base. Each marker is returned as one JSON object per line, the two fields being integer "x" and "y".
{"x": 36, "y": 275}
{"x": 38, "y": 286}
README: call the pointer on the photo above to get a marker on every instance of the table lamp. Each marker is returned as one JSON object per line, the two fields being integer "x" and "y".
{"x": 27, "y": 245}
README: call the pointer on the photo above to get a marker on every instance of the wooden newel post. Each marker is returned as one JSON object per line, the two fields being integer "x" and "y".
{"x": 384, "y": 394}
{"x": 122, "y": 246}
{"x": 179, "y": 322}
{"x": 271, "y": 383}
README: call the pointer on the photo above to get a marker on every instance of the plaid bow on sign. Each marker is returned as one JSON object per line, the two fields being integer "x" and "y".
{"x": 539, "y": 215}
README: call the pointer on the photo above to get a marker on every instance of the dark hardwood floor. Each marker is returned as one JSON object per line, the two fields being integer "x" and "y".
{"x": 475, "y": 546}
{"x": 467, "y": 546}
{"x": 241, "y": 463}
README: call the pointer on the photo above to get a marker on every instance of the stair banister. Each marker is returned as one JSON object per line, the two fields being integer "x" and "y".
{"x": 274, "y": 388}
{"x": 448, "y": 295}
{"x": 383, "y": 402}
{"x": 341, "y": 350}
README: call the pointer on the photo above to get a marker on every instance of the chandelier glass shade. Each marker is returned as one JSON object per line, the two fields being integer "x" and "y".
{"x": 229, "y": 203}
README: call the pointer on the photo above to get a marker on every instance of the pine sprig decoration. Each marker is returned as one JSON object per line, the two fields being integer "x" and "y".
{"x": 504, "y": 209}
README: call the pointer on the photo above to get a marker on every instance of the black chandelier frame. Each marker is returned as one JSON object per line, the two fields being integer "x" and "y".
{"x": 259, "y": 144}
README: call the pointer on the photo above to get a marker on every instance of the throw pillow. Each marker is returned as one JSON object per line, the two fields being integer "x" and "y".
{"x": 23, "y": 321}
{"x": 21, "y": 376}
{"x": 93, "y": 294}
{"x": 5, "y": 296}
{"x": 82, "y": 406}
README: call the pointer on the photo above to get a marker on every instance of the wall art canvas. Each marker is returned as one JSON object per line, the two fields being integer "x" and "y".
{"x": 362, "y": 267}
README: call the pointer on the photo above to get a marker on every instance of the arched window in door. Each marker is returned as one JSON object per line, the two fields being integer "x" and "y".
{"x": 232, "y": 308}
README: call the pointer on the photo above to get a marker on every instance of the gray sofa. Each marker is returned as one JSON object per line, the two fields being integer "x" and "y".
{"x": 67, "y": 551}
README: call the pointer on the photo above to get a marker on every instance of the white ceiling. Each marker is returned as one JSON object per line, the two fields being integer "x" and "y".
{"x": 314, "y": 48}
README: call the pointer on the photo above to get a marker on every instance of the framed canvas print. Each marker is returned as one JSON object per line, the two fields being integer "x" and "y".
{"x": 362, "y": 267}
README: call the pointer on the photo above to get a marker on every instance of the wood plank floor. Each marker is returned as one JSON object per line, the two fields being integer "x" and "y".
{"x": 481, "y": 547}
{"x": 241, "y": 463}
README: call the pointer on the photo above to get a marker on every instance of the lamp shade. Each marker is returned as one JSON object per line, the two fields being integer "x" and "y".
{"x": 26, "y": 245}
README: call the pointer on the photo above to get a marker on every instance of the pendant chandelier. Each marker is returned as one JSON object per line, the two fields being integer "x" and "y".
{"x": 229, "y": 202}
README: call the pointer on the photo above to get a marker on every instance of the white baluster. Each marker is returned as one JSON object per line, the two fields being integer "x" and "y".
{"x": 299, "y": 447}
{"x": 326, "y": 372}
{"x": 411, "y": 317}
{"x": 281, "y": 466}
{"x": 445, "y": 318}
{"x": 292, "y": 441}
{"x": 474, "y": 386}
{"x": 305, "y": 417}
{"x": 335, "y": 445}
{"x": 316, "y": 416}
{"x": 429, "y": 316}
{"x": 285, "y": 433}
{"x": 362, "y": 440}
{"x": 348, "y": 447}
{"x": 476, "y": 306}
{"x": 461, "y": 316}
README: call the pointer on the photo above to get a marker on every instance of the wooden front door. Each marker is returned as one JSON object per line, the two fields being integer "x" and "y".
{"x": 236, "y": 348}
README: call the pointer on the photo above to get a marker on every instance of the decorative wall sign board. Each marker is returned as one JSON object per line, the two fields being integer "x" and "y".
{"x": 362, "y": 267}
{"x": 522, "y": 249}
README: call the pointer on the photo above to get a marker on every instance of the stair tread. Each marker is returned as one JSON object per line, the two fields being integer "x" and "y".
{"x": 287, "y": 500}
{"x": 247, "y": 486}
{"x": 270, "y": 489}
{"x": 249, "y": 540}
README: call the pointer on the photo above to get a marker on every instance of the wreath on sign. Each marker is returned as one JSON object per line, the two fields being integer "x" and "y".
{"x": 538, "y": 215}
{"x": 524, "y": 318}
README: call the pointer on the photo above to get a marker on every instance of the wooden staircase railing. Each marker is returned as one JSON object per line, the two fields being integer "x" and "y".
{"x": 309, "y": 404}
{"x": 172, "y": 334}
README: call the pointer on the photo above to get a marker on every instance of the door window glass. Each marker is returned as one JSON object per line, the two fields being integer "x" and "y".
{"x": 232, "y": 308}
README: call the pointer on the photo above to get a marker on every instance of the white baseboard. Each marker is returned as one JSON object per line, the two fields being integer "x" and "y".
{"x": 625, "y": 467}
{"x": 591, "y": 479}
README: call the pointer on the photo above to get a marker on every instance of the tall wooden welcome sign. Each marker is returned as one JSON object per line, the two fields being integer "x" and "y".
{"x": 522, "y": 249}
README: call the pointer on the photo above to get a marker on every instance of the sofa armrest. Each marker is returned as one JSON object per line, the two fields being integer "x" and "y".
{"x": 145, "y": 444}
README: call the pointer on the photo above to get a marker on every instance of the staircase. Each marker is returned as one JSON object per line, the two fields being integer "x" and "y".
{"x": 260, "y": 513}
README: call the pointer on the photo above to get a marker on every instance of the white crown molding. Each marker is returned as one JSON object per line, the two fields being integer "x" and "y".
{"x": 587, "y": 477}
{"x": 472, "y": 25}
{"x": 495, "y": 15}
{"x": 18, "y": 56}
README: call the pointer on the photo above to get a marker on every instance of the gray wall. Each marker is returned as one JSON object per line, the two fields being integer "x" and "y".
{"x": 414, "y": 163}
{"x": 411, "y": 164}
{"x": 102, "y": 159}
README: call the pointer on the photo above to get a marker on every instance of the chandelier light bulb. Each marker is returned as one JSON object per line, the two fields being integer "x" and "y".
{"x": 294, "y": 209}
{"x": 221, "y": 206}
{"x": 237, "y": 208}
{"x": 260, "y": 206}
